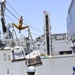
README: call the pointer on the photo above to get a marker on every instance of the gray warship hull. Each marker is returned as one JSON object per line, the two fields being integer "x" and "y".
{"x": 55, "y": 65}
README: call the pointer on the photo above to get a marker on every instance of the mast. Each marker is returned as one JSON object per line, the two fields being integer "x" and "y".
{"x": 47, "y": 33}
{"x": 3, "y": 6}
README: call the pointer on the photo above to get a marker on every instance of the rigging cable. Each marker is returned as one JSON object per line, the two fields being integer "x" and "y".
{"x": 12, "y": 14}
{"x": 15, "y": 22}
{"x": 34, "y": 26}
{"x": 31, "y": 27}
{"x": 23, "y": 23}
{"x": 12, "y": 8}
{"x": 32, "y": 33}
{"x": 25, "y": 20}
{"x": 10, "y": 18}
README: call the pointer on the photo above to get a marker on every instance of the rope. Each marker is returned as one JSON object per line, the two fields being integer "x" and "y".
{"x": 12, "y": 8}
{"x": 10, "y": 18}
{"x": 25, "y": 20}
{"x": 12, "y": 14}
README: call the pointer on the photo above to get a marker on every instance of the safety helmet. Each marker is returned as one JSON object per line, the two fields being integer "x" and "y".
{"x": 31, "y": 69}
{"x": 73, "y": 67}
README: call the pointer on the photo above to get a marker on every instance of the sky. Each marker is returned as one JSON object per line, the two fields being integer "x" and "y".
{"x": 32, "y": 12}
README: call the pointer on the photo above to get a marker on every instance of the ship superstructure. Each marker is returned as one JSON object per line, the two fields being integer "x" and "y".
{"x": 70, "y": 20}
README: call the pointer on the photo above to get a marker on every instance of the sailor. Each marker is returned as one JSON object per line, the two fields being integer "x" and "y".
{"x": 73, "y": 70}
{"x": 31, "y": 70}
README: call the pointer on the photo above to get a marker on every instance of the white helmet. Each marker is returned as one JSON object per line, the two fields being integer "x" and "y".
{"x": 31, "y": 69}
